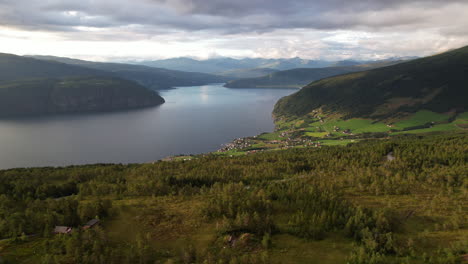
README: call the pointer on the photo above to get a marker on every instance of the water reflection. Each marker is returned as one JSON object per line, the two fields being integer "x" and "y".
{"x": 193, "y": 120}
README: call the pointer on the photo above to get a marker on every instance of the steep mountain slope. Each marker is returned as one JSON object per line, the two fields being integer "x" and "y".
{"x": 438, "y": 83}
{"x": 13, "y": 67}
{"x": 74, "y": 94}
{"x": 30, "y": 86}
{"x": 154, "y": 78}
{"x": 299, "y": 77}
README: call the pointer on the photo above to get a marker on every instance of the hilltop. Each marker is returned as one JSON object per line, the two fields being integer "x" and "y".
{"x": 437, "y": 83}
{"x": 223, "y": 65}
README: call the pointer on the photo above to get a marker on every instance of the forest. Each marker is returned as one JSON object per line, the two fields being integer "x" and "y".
{"x": 333, "y": 204}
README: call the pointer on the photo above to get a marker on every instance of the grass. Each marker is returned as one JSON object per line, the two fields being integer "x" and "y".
{"x": 171, "y": 223}
{"x": 463, "y": 116}
{"x": 420, "y": 118}
{"x": 338, "y": 142}
{"x": 316, "y": 134}
{"x": 21, "y": 252}
{"x": 270, "y": 136}
{"x": 461, "y": 119}
{"x": 359, "y": 125}
{"x": 435, "y": 128}
{"x": 230, "y": 153}
{"x": 290, "y": 249}
{"x": 356, "y": 125}
{"x": 283, "y": 125}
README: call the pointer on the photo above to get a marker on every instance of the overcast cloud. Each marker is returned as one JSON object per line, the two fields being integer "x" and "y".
{"x": 137, "y": 29}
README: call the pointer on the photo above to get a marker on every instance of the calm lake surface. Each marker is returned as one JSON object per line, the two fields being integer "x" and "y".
{"x": 193, "y": 120}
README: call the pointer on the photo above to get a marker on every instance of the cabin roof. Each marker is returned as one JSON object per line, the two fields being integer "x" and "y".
{"x": 62, "y": 229}
{"x": 92, "y": 222}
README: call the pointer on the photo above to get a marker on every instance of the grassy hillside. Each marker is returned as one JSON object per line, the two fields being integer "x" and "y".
{"x": 74, "y": 94}
{"x": 299, "y": 77}
{"x": 153, "y": 78}
{"x": 437, "y": 83}
{"x": 327, "y": 205}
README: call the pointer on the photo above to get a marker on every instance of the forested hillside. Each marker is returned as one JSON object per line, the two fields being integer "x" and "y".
{"x": 150, "y": 77}
{"x": 324, "y": 205}
{"x": 14, "y": 68}
{"x": 437, "y": 83}
{"x": 247, "y": 73}
{"x": 73, "y": 95}
{"x": 298, "y": 78}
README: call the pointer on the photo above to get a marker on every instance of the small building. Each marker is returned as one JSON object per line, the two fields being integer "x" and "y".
{"x": 91, "y": 223}
{"x": 62, "y": 230}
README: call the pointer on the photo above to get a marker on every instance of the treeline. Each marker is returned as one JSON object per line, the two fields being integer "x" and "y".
{"x": 306, "y": 193}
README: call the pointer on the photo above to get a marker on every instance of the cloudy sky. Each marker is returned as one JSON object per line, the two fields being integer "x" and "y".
{"x": 152, "y": 29}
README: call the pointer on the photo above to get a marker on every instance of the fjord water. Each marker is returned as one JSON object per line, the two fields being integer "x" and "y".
{"x": 193, "y": 120}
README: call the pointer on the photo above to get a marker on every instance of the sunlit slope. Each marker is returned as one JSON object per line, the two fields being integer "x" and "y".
{"x": 438, "y": 83}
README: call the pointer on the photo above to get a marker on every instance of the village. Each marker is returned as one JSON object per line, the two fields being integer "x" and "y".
{"x": 257, "y": 144}
{"x": 237, "y": 144}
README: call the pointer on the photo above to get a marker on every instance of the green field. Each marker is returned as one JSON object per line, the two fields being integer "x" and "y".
{"x": 421, "y": 118}
{"x": 358, "y": 126}
{"x": 338, "y": 142}
{"x": 435, "y": 128}
{"x": 358, "y": 129}
{"x": 270, "y": 136}
{"x": 316, "y": 134}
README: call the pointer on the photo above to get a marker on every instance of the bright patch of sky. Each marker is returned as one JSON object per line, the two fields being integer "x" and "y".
{"x": 153, "y": 29}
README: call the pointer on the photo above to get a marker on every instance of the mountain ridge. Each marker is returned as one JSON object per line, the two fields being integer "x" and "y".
{"x": 150, "y": 77}
{"x": 300, "y": 77}
{"x": 437, "y": 83}
{"x": 219, "y": 65}
{"x": 73, "y": 95}
{"x": 29, "y": 86}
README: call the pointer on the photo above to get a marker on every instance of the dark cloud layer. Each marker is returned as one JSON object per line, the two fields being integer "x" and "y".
{"x": 330, "y": 29}
{"x": 225, "y": 16}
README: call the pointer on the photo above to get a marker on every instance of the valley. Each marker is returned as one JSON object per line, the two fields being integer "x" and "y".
{"x": 360, "y": 168}
{"x": 234, "y": 132}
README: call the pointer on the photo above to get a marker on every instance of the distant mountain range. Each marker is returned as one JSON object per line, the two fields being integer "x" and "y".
{"x": 437, "y": 83}
{"x": 150, "y": 77}
{"x": 247, "y": 73}
{"x": 225, "y": 65}
{"x": 297, "y": 78}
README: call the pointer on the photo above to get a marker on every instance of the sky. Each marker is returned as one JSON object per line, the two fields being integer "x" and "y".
{"x": 122, "y": 30}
